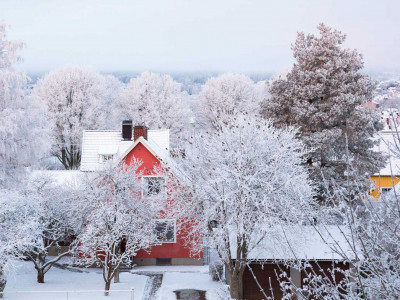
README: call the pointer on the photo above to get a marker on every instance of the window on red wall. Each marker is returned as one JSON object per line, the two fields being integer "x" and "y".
{"x": 165, "y": 231}
{"x": 154, "y": 186}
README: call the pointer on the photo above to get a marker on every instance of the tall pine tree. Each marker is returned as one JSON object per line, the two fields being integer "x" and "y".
{"x": 323, "y": 94}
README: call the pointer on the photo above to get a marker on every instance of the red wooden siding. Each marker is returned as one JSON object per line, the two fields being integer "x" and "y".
{"x": 166, "y": 250}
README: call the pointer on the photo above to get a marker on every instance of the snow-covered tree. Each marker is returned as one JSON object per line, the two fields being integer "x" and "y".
{"x": 114, "y": 91}
{"x": 156, "y": 101}
{"x": 122, "y": 220}
{"x": 75, "y": 98}
{"x": 23, "y": 137}
{"x": 323, "y": 95}
{"x": 17, "y": 226}
{"x": 243, "y": 182}
{"x": 368, "y": 242}
{"x": 223, "y": 97}
{"x": 60, "y": 214}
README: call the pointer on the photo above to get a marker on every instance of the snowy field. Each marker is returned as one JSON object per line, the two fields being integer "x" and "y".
{"x": 175, "y": 278}
{"x": 24, "y": 279}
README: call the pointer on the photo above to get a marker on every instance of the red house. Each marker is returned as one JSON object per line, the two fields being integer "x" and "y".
{"x": 152, "y": 148}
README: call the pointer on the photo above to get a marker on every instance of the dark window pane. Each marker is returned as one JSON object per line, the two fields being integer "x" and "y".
{"x": 165, "y": 231}
{"x": 154, "y": 186}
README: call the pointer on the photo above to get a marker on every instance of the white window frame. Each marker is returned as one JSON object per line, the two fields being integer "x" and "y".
{"x": 381, "y": 192}
{"x": 144, "y": 188}
{"x": 168, "y": 220}
{"x": 102, "y": 156}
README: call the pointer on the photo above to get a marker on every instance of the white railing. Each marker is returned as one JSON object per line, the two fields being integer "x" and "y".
{"x": 66, "y": 295}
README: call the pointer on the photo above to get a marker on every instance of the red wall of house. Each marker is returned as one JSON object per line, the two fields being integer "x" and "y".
{"x": 166, "y": 250}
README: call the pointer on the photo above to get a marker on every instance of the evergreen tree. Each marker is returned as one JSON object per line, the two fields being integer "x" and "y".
{"x": 323, "y": 95}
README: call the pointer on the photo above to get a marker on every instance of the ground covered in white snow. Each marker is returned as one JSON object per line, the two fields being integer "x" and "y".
{"x": 24, "y": 279}
{"x": 184, "y": 277}
{"x": 58, "y": 281}
{"x": 173, "y": 281}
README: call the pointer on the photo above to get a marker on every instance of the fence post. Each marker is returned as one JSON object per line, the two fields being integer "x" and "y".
{"x": 132, "y": 294}
{"x": 67, "y": 295}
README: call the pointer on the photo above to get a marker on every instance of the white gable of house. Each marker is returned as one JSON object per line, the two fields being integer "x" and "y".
{"x": 389, "y": 145}
{"x": 98, "y": 143}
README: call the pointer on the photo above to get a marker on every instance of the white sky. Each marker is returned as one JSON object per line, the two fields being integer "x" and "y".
{"x": 193, "y": 35}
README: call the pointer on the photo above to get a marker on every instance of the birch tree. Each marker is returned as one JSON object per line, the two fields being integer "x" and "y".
{"x": 156, "y": 101}
{"x": 243, "y": 182}
{"x": 323, "y": 96}
{"x": 24, "y": 138}
{"x": 223, "y": 97}
{"x": 75, "y": 99}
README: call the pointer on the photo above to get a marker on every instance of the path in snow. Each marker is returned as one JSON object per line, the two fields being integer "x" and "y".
{"x": 167, "y": 279}
{"x": 153, "y": 284}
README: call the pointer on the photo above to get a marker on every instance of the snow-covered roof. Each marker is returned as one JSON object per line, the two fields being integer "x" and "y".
{"x": 303, "y": 242}
{"x": 387, "y": 145}
{"x": 102, "y": 142}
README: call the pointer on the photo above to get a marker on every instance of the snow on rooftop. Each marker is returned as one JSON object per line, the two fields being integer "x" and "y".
{"x": 96, "y": 143}
{"x": 302, "y": 242}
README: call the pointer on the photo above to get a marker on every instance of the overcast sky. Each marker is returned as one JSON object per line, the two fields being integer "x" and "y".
{"x": 193, "y": 35}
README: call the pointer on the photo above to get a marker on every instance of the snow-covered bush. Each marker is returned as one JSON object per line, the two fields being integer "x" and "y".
{"x": 17, "y": 227}
{"x": 216, "y": 270}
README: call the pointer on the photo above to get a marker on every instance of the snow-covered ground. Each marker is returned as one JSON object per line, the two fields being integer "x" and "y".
{"x": 174, "y": 278}
{"x": 24, "y": 279}
{"x": 184, "y": 277}
{"x": 173, "y": 281}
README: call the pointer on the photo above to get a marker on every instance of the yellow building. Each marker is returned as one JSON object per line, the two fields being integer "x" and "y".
{"x": 389, "y": 176}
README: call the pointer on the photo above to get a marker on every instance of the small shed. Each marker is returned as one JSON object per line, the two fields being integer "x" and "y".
{"x": 322, "y": 248}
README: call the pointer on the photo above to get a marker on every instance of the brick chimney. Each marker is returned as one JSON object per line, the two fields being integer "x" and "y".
{"x": 139, "y": 131}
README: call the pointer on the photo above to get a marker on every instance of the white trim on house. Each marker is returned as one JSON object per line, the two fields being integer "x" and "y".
{"x": 388, "y": 145}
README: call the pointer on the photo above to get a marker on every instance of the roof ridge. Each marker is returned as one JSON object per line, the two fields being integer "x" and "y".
{"x": 102, "y": 131}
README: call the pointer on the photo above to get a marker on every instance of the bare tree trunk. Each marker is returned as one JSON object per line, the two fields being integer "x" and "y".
{"x": 3, "y": 282}
{"x": 40, "y": 276}
{"x": 64, "y": 159}
{"x": 107, "y": 288}
{"x": 116, "y": 276}
{"x": 236, "y": 285}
